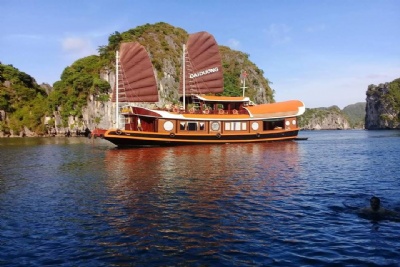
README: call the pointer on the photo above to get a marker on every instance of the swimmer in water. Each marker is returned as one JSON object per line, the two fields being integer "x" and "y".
{"x": 375, "y": 211}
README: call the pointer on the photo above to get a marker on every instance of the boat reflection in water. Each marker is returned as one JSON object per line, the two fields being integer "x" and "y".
{"x": 174, "y": 199}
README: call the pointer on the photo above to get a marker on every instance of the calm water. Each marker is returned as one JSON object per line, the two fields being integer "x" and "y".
{"x": 75, "y": 202}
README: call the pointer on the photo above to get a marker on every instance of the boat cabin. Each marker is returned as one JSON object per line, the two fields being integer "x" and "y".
{"x": 203, "y": 114}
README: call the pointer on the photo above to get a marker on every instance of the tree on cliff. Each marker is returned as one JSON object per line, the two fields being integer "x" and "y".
{"x": 383, "y": 106}
{"x": 23, "y": 100}
{"x": 78, "y": 81}
{"x": 394, "y": 95}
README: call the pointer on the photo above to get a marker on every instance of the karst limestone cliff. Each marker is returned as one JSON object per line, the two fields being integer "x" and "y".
{"x": 324, "y": 119}
{"x": 382, "y": 110}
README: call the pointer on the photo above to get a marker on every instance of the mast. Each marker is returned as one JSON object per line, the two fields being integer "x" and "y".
{"x": 184, "y": 77}
{"x": 116, "y": 90}
{"x": 243, "y": 77}
{"x": 244, "y": 85}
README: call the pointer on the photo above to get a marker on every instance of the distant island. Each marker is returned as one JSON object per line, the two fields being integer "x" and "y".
{"x": 333, "y": 118}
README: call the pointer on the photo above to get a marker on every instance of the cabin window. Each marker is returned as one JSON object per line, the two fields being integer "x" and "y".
{"x": 202, "y": 125}
{"x": 273, "y": 125}
{"x": 235, "y": 126}
{"x": 191, "y": 126}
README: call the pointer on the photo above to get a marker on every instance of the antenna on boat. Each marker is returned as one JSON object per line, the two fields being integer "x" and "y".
{"x": 184, "y": 77}
{"x": 243, "y": 80}
{"x": 116, "y": 89}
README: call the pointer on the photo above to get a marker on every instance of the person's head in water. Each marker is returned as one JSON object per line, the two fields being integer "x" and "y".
{"x": 375, "y": 203}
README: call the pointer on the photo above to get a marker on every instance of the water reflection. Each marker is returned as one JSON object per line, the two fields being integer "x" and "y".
{"x": 226, "y": 168}
{"x": 187, "y": 198}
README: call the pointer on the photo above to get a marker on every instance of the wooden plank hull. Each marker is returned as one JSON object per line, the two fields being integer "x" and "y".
{"x": 124, "y": 138}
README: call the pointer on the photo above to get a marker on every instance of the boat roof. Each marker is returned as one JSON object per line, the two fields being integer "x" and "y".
{"x": 279, "y": 109}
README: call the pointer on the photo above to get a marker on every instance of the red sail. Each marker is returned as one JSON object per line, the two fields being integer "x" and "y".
{"x": 136, "y": 80}
{"x": 203, "y": 65}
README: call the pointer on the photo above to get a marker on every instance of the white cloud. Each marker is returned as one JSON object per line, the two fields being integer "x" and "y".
{"x": 234, "y": 44}
{"x": 316, "y": 28}
{"x": 278, "y": 34}
{"x": 77, "y": 47}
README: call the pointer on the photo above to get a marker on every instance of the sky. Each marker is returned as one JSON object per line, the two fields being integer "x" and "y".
{"x": 323, "y": 52}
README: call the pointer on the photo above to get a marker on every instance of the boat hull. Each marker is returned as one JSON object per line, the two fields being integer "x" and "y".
{"x": 136, "y": 138}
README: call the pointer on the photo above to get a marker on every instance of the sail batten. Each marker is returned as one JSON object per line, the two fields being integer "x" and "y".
{"x": 136, "y": 80}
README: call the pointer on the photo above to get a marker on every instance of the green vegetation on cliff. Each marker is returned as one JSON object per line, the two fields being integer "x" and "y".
{"x": 394, "y": 95}
{"x": 23, "y": 100}
{"x": 233, "y": 63}
{"x": 316, "y": 115}
{"x": 355, "y": 114}
{"x": 391, "y": 96}
{"x": 77, "y": 82}
{"x": 383, "y": 106}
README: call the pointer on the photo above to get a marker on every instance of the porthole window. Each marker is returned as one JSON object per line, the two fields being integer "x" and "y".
{"x": 287, "y": 123}
{"x": 168, "y": 126}
{"x": 254, "y": 126}
{"x": 215, "y": 126}
{"x": 294, "y": 122}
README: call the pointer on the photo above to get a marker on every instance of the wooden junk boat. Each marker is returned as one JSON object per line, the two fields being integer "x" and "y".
{"x": 202, "y": 117}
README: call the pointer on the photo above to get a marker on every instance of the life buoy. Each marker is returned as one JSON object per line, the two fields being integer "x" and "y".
{"x": 218, "y": 135}
{"x": 206, "y": 111}
{"x": 221, "y": 111}
{"x": 172, "y": 135}
{"x": 175, "y": 109}
{"x": 235, "y": 111}
{"x": 118, "y": 131}
{"x": 191, "y": 110}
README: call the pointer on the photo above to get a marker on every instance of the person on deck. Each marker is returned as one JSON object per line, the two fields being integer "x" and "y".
{"x": 139, "y": 125}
